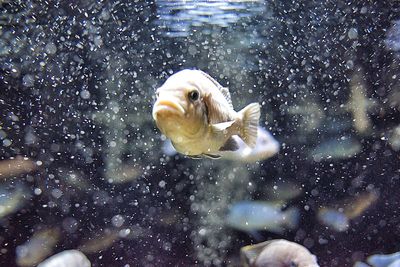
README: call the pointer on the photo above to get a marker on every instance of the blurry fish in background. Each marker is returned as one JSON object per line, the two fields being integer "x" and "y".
{"x": 336, "y": 149}
{"x": 310, "y": 112}
{"x": 249, "y": 216}
{"x": 16, "y": 166}
{"x": 359, "y": 104}
{"x": 196, "y": 113}
{"x": 393, "y": 36}
{"x": 100, "y": 241}
{"x": 277, "y": 253}
{"x": 382, "y": 260}
{"x": 125, "y": 173}
{"x": 104, "y": 239}
{"x": 282, "y": 190}
{"x": 39, "y": 246}
{"x": 339, "y": 216}
{"x": 178, "y": 17}
{"x": 334, "y": 219}
{"x": 394, "y": 138}
{"x": 67, "y": 258}
{"x": 266, "y": 146}
{"x": 12, "y": 198}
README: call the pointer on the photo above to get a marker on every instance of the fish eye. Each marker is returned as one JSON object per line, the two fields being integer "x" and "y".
{"x": 194, "y": 95}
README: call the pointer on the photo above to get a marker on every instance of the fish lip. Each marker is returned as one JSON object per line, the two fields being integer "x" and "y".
{"x": 169, "y": 105}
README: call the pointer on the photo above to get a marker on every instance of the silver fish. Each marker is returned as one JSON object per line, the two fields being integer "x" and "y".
{"x": 252, "y": 216}
{"x": 196, "y": 113}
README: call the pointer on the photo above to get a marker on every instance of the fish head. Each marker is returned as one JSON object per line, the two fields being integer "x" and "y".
{"x": 179, "y": 110}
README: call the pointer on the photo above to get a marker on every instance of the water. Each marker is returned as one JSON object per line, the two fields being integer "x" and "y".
{"x": 77, "y": 87}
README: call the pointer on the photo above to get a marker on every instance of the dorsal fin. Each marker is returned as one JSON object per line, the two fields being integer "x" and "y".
{"x": 225, "y": 91}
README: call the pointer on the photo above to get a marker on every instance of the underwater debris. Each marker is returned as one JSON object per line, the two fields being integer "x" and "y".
{"x": 339, "y": 216}
{"x": 250, "y": 216}
{"x": 266, "y": 146}
{"x": 39, "y": 246}
{"x": 277, "y": 253}
{"x": 196, "y": 113}
{"x": 73, "y": 178}
{"x": 359, "y": 104}
{"x": 12, "y": 198}
{"x": 16, "y": 166}
{"x": 67, "y": 258}
{"x": 336, "y": 149}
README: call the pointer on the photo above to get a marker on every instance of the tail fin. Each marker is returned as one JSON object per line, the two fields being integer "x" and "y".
{"x": 250, "y": 116}
{"x": 292, "y": 218}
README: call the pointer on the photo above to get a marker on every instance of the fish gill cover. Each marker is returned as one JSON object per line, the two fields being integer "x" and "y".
{"x": 77, "y": 85}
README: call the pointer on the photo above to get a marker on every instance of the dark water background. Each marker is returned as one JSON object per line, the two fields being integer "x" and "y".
{"x": 63, "y": 61}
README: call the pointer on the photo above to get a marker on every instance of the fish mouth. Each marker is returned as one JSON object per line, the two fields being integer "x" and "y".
{"x": 167, "y": 106}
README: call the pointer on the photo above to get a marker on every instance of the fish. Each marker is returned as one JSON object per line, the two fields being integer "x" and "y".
{"x": 100, "y": 242}
{"x": 266, "y": 147}
{"x": 338, "y": 216}
{"x": 13, "y": 198}
{"x": 67, "y": 258}
{"x": 38, "y": 247}
{"x": 277, "y": 253}
{"x": 359, "y": 104}
{"x": 394, "y": 138}
{"x": 336, "y": 149}
{"x": 250, "y": 216}
{"x": 282, "y": 190}
{"x": 16, "y": 166}
{"x": 382, "y": 260}
{"x": 196, "y": 113}
{"x": 333, "y": 218}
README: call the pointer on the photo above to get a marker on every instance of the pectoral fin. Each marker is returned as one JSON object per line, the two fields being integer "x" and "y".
{"x": 222, "y": 126}
{"x": 211, "y": 156}
{"x": 194, "y": 156}
{"x": 230, "y": 145}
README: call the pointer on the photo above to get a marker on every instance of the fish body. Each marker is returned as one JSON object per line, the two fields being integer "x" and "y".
{"x": 251, "y": 216}
{"x": 196, "y": 113}
{"x": 277, "y": 253}
{"x": 266, "y": 146}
